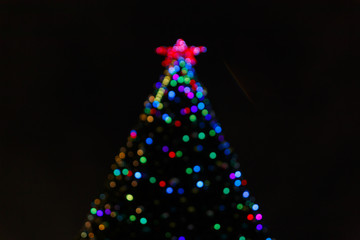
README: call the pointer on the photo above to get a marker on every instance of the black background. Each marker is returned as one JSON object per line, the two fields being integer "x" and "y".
{"x": 74, "y": 75}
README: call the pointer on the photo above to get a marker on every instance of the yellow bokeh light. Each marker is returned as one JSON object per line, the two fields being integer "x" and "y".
{"x": 150, "y": 119}
{"x": 112, "y": 184}
{"x": 191, "y": 209}
{"x": 118, "y": 161}
{"x": 87, "y": 224}
{"x": 129, "y": 197}
{"x": 140, "y": 152}
{"x": 142, "y": 117}
{"x": 138, "y": 210}
{"x": 159, "y": 129}
{"x": 135, "y": 163}
{"x": 101, "y": 227}
{"x": 122, "y": 155}
{"x": 97, "y": 201}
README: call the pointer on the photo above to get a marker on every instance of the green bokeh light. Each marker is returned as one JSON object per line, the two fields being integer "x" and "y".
{"x": 152, "y": 180}
{"x": 125, "y": 171}
{"x": 192, "y": 118}
{"x": 186, "y": 138}
{"x": 226, "y": 190}
{"x": 168, "y": 120}
{"x": 143, "y": 220}
{"x": 201, "y": 135}
{"x": 179, "y": 153}
{"x": 204, "y": 112}
{"x": 173, "y": 83}
{"x": 143, "y": 159}
{"x": 217, "y": 226}
{"x": 186, "y": 79}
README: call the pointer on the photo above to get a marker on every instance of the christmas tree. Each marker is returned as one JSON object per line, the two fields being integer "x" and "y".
{"x": 177, "y": 178}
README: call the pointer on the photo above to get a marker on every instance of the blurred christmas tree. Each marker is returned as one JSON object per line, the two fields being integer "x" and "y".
{"x": 177, "y": 178}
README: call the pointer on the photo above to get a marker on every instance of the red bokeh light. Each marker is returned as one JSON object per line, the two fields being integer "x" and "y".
{"x": 171, "y": 154}
{"x": 250, "y": 217}
{"x": 162, "y": 183}
{"x": 180, "y": 49}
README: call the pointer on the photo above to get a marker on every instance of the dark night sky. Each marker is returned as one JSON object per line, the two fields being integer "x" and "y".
{"x": 74, "y": 75}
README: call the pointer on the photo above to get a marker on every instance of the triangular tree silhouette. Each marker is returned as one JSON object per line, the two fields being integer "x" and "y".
{"x": 177, "y": 178}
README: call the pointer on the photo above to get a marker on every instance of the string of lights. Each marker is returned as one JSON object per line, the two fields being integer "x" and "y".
{"x": 177, "y": 177}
